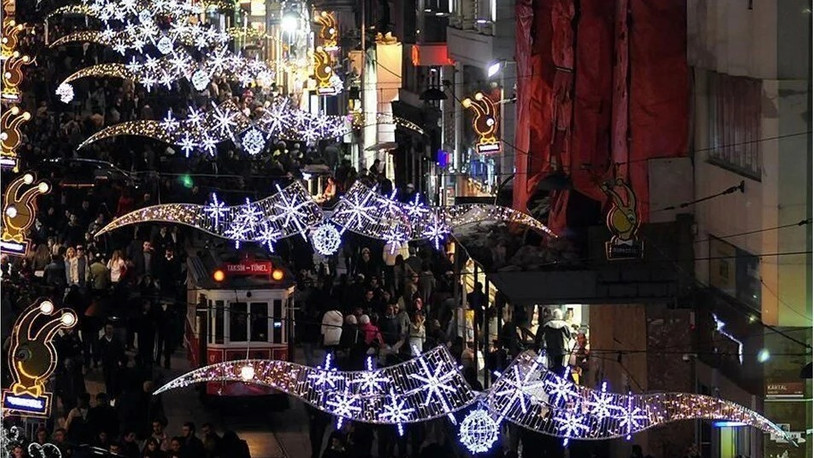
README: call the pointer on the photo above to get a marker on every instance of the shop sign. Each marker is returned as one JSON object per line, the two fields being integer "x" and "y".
{"x": 785, "y": 390}
{"x": 622, "y": 222}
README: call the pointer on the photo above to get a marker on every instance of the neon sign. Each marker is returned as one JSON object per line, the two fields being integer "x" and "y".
{"x": 485, "y": 123}
{"x": 13, "y": 75}
{"x": 33, "y": 358}
{"x": 10, "y": 135}
{"x": 328, "y": 31}
{"x": 324, "y": 72}
{"x": 19, "y": 213}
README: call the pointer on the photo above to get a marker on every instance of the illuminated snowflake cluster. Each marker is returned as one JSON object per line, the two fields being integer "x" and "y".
{"x": 326, "y": 239}
{"x": 65, "y": 92}
{"x": 478, "y": 431}
{"x": 203, "y": 130}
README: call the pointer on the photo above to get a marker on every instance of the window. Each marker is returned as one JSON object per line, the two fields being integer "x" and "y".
{"x": 277, "y": 315}
{"x": 735, "y": 272}
{"x": 217, "y": 321}
{"x": 734, "y": 123}
{"x": 238, "y": 322}
{"x": 259, "y": 322}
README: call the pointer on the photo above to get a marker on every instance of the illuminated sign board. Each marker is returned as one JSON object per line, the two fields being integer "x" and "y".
{"x": 33, "y": 359}
{"x": 623, "y": 222}
{"x": 249, "y": 268}
{"x": 485, "y": 123}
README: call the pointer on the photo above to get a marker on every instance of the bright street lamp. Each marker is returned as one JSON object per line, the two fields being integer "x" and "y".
{"x": 493, "y": 69}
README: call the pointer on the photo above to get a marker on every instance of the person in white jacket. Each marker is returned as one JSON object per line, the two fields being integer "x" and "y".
{"x": 332, "y": 328}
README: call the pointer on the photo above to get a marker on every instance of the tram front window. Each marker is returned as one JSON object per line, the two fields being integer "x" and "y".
{"x": 238, "y": 322}
{"x": 259, "y": 322}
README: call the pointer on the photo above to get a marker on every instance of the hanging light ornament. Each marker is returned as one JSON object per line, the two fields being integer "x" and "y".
{"x": 65, "y": 93}
{"x": 200, "y": 80}
{"x": 253, "y": 141}
{"x": 326, "y": 239}
{"x": 478, "y": 431}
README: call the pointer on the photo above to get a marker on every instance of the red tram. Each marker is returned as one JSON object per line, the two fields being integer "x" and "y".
{"x": 237, "y": 308}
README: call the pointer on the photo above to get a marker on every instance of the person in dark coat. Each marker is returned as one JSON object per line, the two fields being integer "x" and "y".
{"x": 103, "y": 417}
{"x": 145, "y": 329}
{"x": 111, "y": 353}
{"x": 556, "y": 334}
{"x": 233, "y": 446}
{"x": 192, "y": 447}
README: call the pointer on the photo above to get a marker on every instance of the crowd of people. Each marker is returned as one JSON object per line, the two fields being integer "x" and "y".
{"x": 388, "y": 305}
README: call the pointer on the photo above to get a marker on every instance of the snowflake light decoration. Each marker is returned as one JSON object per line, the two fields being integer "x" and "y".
{"x": 436, "y": 231}
{"x": 570, "y": 424}
{"x": 216, "y": 210}
{"x": 326, "y": 239}
{"x": 65, "y": 92}
{"x": 478, "y": 431}
{"x": 432, "y": 386}
{"x": 253, "y": 141}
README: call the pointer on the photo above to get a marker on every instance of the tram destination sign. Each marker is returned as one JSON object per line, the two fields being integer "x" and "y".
{"x": 249, "y": 267}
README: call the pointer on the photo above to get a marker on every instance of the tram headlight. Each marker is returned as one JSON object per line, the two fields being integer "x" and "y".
{"x": 219, "y": 275}
{"x": 277, "y": 275}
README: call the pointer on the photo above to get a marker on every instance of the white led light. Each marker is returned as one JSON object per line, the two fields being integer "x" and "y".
{"x": 46, "y": 307}
{"x": 68, "y": 319}
{"x": 478, "y": 432}
{"x": 65, "y": 92}
{"x": 325, "y": 239}
{"x": 247, "y": 372}
{"x": 200, "y": 79}
{"x": 11, "y": 211}
{"x": 253, "y": 141}
{"x": 164, "y": 45}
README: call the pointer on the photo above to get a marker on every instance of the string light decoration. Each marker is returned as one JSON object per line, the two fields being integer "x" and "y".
{"x": 485, "y": 122}
{"x": 203, "y": 131}
{"x": 33, "y": 358}
{"x": 390, "y": 395}
{"x": 9, "y": 41}
{"x": 478, "y": 431}
{"x": 13, "y": 75}
{"x": 360, "y": 210}
{"x": 290, "y": 211}
{"x": 180, "y": 65}
{"x": 122, "y": 10}
{"x": 365, "y": 212}
{"x": 10, "y": 135}
{"x": 12, "y": 438}
{"x": 431, "y": 386}
{"x": 325, "y": 239}
{"x": 136, "y": 37}
{"x": 19, "y": 213}
{"x": 533, "y": 397}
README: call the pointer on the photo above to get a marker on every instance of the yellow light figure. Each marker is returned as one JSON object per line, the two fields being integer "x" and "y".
{"x": 623, "y": 221}
{"x": 9, "y": 41}
{"x": 328, "y": 31}
{"x": 33, "y": 358}
{"x": 19, "y": 213}
{"x": 13, "y": 75}
{"x": 10, "y": 135}
{"x": 485, "y": 123}
{"x": 323, "y": 71}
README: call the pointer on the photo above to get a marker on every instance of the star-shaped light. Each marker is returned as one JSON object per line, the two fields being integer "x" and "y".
{"x": 195, "y": 117}
{"x": 187, "y": 144}
{"x": 570, "y": 423}
{"x": 519, "y": 388}
{"x": 216, "y": 210}
{"x": 371, "y": 382}
{"x": 436, "y": 382}
{"x": 169, "y": 123}
{"x": 224, "y": 120}
{"x": 396, "y": 411}
{"x": 436, "y": 231}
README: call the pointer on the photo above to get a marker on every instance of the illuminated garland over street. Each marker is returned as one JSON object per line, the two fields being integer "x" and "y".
{"x": 289, "y": 212}
{"x": 292, "y": 210}
{"x": 203, "y": 131}
{"x": 136, "y": 37}
{"x": 107, "y": 11}
{"x": 431, "y": 386}
{"x": 152, "y": 72}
